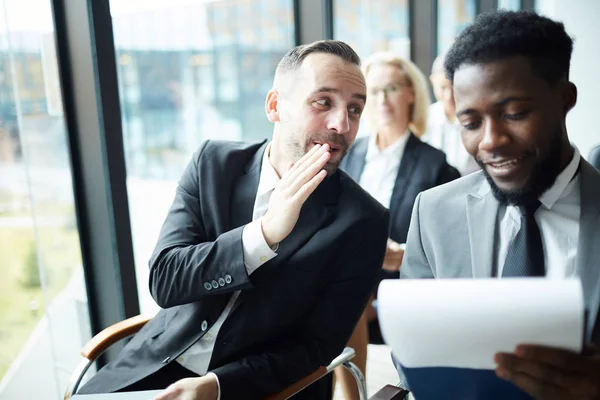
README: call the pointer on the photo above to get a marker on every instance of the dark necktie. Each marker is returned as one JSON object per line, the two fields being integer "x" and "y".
{"x": 525, "y": 255}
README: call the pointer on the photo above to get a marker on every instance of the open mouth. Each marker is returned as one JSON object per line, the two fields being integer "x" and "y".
{"x": 505, "y": 166}
{"x": 505, "y": 163}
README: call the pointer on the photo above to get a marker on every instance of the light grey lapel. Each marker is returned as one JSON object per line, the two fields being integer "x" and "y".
{"x": 589, "y": 245}
{"x": 482, "y": 213}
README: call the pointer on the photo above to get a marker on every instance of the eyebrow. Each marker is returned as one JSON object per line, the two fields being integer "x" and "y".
{"x": 327, "y": 89}
{"x": 500, "y": 103}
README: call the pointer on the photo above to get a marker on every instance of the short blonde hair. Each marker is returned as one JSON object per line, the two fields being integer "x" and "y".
{"x": 416, "y": 78}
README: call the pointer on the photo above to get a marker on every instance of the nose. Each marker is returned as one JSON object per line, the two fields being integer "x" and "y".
{"x": 381, "y": 96}
{"x": 339, "y": 121}
{"x": 494, "y": 136}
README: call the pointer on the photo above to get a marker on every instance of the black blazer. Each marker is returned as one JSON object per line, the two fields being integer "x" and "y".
{"x": 422, "y": 167}
{"x": 294, "y": 313}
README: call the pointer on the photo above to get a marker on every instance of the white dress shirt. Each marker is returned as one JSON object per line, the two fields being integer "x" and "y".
{"x": 381, "y": 168}
{"x": 446, "y": 136}
{"x": 256, "y": 253}
{"x": 558, "y": 220}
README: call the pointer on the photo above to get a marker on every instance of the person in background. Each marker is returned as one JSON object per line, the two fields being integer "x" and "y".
{"x": 394, "y": 166}
{"x": 534, "y": 208}
{"x": 262, "y": 266}
{"x": 443, "y": 129}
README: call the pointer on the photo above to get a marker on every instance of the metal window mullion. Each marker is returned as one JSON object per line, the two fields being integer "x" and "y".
{"x": 423, "y": 33}
{"x": 87, "y": 67}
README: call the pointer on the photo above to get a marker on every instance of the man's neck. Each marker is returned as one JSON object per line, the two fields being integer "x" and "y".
{"x": 279, "y": 165}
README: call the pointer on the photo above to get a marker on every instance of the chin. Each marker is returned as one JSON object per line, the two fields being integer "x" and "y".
{"x": 330, "y": 168}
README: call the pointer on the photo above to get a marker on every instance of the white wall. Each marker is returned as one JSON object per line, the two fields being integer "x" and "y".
{"x": 581, "y": 19}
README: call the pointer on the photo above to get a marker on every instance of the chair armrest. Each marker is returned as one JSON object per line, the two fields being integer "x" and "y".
{"x": 298, "y": 386}
{"x": 107, "y": 337}
{"x": 389, "y": 392}
{"x": 344, "y": 357}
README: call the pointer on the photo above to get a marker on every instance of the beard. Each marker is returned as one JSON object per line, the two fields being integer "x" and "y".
{"x": 298, "y": 148}
{"x": 542, "y": 177}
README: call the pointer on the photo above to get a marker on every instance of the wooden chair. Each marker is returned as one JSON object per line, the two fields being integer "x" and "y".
{"x": 123, "y": 329}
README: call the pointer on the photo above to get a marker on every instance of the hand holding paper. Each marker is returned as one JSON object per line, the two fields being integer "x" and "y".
{"x": 549, "y": 373}
{"x": 446, "y": 333}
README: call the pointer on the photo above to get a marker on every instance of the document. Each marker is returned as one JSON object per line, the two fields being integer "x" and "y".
{"x": 445, "y": 333}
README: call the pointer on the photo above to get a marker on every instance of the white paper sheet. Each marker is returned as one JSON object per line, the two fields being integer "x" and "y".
{"x": 464, "y": 322}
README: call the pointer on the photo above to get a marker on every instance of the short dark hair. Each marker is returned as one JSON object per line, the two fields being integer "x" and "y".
{"x": 500, "y": 34}
{"x": 294, "y": 58}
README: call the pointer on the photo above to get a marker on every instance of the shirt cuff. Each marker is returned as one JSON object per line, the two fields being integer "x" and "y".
{"x": 218, "y": 384}
{"x": 255, "y": 247}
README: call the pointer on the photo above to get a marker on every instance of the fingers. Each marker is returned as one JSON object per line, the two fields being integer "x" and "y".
{"x": 307, "y": 167}
{"x": 536, "y": 388}
{"x": 563, "y": 359}
{"x": 169, "y": 393}
{"x": 541, "y": 375}
{"x": 309, "y": 187}
{"x": 303, "y": 160}
{"x": 512, "y": 364}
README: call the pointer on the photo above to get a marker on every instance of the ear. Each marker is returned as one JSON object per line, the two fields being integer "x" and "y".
{"x": 272, "y": 105}
{"x": 569, "y": 96}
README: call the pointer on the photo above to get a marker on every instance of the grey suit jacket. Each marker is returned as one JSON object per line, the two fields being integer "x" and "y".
{"x": 453, "y": 227}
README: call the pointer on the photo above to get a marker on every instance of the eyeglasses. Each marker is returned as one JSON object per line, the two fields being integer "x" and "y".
{"x": 388, "y": 90}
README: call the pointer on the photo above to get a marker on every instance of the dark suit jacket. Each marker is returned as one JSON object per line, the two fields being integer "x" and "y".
{"x": 295, "y": 313}
{"x": 422, "y": 168}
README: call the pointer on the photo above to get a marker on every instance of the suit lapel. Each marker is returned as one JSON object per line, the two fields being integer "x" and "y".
{"x": 405, "y": 172}
{"x": 482, "y": 213}
{"x": 589, "y": 245}
{"x": 355, "y": 160}
{"x": 244, "y": 190}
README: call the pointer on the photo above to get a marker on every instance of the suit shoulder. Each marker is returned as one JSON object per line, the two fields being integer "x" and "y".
{"x": 224, "y": 151}
{"x": 456, "y": 189}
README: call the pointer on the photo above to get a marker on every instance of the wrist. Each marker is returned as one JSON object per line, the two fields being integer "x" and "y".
{"x": 210, "y": 388}
{"x": 266, "y": 233}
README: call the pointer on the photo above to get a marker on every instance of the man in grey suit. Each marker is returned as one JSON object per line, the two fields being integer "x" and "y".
{"x": 263, "y": 266}
{"x": 534, "y": 208}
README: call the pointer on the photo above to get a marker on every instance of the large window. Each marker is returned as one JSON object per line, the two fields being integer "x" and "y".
{"x": 43, "y": 310}
{"x": 189, "y": 70}
{"x": 453, "y": 16}
{"x": 512, "y": 5}
{"x": 369, "y": 26}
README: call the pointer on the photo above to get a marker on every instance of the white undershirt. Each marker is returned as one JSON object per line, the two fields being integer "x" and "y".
{"x": 381, "y": 168}
{"x": 256, "y": 253}
{"x": 558, "y": 220}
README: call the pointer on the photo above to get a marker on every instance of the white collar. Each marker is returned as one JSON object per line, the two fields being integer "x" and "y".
{"x": 268, "y": 175}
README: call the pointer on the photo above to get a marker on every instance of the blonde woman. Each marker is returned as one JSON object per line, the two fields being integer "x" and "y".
{"x": 394, "y": 166}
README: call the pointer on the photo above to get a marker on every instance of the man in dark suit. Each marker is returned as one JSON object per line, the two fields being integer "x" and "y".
{"x": 534, "y": 208}
{"x": 263, "y": 266}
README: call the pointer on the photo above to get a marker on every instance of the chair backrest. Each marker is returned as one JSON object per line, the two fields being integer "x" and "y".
{"x": 594, "y": 157}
